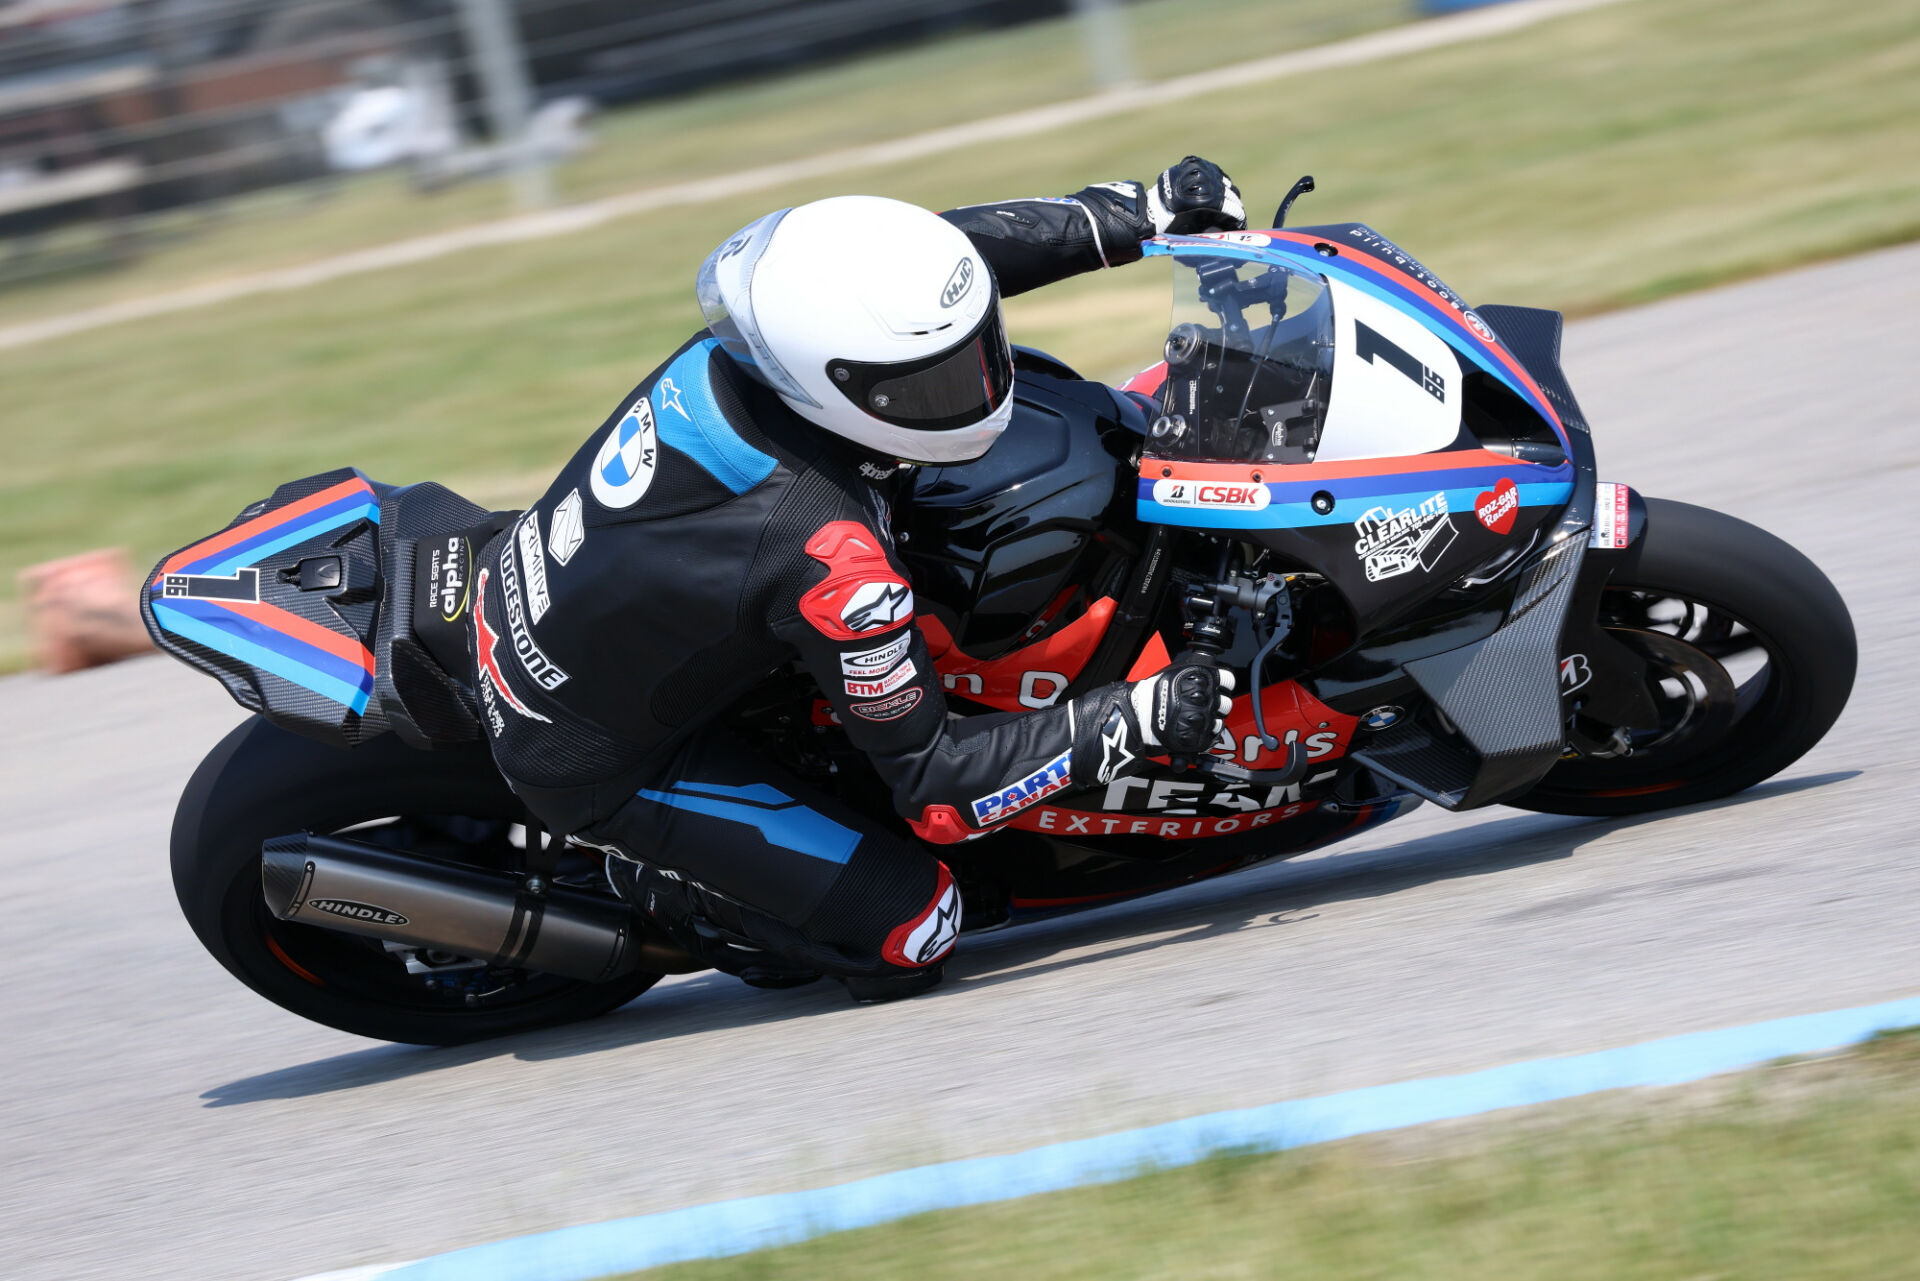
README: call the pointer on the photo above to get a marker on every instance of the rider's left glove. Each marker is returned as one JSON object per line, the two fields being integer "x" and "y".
{"x": 1195, "y": 195}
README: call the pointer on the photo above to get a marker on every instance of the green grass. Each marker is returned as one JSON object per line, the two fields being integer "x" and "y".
{"x": 1598, "y": 160}
{"x": 865, "y": 100}
{"x": 1807, "y": 1170}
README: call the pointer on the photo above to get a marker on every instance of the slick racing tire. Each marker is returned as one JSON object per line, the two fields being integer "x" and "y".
{"x": 262, "y": 781}
{"x": 1750, "y": 658}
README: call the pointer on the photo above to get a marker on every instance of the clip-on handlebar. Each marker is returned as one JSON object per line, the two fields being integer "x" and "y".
{"x": 1209, "y": 630}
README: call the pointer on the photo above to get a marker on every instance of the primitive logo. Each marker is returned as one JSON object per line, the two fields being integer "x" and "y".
{"x": 449, "y": 578}
{"x": 1392, "y": 543}
{"x": 242, "y": 585}
{"x": 958, "y": 283}
{"x": 357, "y": 911}
{"x": 527, "y": 535}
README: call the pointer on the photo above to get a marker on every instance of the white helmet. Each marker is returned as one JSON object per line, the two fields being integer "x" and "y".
{"x": 872, "y": 318}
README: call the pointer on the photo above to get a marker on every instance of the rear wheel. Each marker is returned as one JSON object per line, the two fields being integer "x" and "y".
{"x": 1750, "y": 657}
{"x": 262, "y": 781}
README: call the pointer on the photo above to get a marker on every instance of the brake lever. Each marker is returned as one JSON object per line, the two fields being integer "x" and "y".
{"x": 1228, "y": 772}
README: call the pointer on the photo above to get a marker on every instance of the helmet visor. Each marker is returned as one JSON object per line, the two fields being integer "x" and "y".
{"x": 725, "y": 289}
{"x": 951, "y": 389}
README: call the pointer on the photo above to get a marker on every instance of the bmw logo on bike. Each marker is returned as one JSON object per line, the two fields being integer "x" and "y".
{"x": 1381, "y": 717}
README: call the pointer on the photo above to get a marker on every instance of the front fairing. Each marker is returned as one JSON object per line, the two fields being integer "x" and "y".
{"x": 1469, "y": 471}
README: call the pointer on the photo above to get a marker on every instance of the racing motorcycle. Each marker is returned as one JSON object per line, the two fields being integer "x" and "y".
{"x": 1376, "y": 505}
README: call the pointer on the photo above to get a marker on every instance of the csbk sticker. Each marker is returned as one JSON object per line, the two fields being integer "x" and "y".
{"x": 1052, "y": 777}
{"x": 1242, "y": 497}
{"x": 887, "y": 709}
{"x": 883, "y": 685}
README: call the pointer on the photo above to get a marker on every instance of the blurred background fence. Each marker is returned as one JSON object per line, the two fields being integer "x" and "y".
{"x": 123, "y": 121}
{"x": 243, "y": 241}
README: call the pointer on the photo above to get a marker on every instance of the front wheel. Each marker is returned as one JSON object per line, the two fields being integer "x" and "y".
{"x": 262, "y": 781}
{"x": 1749, "y": 654}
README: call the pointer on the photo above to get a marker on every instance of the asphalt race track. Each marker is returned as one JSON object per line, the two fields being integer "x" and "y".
{"x": 161, "y": 1121}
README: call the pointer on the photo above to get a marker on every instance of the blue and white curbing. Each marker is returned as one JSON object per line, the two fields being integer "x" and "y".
{"x": 753, "y": 1223}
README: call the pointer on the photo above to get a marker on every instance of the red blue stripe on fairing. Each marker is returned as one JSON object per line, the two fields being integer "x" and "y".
{"x": 252, "y": 541}
{"x": 1381, "y": 278}
{"x": 298, "y": 650}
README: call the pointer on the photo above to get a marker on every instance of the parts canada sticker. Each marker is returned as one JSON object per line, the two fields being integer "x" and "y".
{"x": 567, "y": 530}
{"x": 1243, "y": 496}
{"x": 1052, "y": 777}
{"x": 1498, "y": 506}
{"x": 623, "y": 469}
{"x": 1392, "y": 543}
{"x": 1612, "y": 521}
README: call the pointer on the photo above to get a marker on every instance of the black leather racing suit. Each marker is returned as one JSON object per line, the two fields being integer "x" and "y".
{"x": 704, "y": 537}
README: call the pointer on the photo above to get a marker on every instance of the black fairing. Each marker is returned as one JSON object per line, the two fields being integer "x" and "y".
{"x": 1499, "y": 691}
{"x": 1015, "y": 543}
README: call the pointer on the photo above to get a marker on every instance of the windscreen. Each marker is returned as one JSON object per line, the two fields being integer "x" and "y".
{"x": 1249, "y": 362}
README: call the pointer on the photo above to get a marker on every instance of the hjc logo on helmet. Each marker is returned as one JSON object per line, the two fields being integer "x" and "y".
{"x": 958, "y": 283}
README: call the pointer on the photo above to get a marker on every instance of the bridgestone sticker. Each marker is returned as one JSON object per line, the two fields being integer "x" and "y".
{"x": 875, "y": 662}
{"x": 533, "y": 661}
{"x": 1392, "y": 543}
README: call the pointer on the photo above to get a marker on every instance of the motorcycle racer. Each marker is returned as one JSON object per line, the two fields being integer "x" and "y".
{"x": 731, "y": 517}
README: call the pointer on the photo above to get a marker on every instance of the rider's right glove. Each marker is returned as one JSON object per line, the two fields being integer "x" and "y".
{"x": 1179, "y": 712}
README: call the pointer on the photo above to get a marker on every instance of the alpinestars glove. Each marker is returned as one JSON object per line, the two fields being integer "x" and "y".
{"x": 1195, "y": 195}
{"x": 1181, "y": 711}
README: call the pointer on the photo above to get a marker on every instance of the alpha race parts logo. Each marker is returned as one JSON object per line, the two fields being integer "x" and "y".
{"x": 1392, "y": 543}
{"x": 623, "y": 469}
{"x": 1052, "y": 777}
